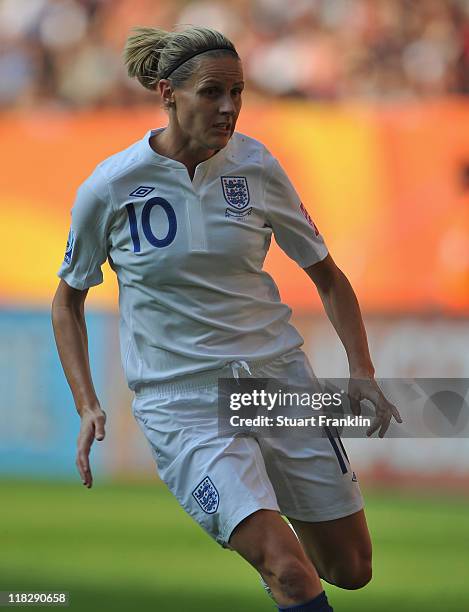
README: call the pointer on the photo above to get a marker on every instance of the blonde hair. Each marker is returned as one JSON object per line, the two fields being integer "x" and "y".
{"x": 151, "y": 54}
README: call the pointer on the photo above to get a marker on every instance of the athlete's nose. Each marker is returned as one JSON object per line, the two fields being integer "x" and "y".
{"x": 227, "y": 106}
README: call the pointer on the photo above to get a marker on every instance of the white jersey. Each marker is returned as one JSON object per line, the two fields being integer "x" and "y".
{"x": 189, "y": 254}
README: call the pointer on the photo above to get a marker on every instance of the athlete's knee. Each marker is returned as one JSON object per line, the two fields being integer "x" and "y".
{"x": 353, "y": 574}
{"x": 292, "y": 576}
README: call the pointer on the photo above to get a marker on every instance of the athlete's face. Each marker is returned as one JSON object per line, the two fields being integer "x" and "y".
{"x": 207, "y": 105}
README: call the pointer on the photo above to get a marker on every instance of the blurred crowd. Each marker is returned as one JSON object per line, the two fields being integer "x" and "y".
{"x": 67, "y": 53}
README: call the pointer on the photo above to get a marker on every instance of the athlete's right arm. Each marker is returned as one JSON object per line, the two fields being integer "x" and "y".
{"x": 68, "y": 321}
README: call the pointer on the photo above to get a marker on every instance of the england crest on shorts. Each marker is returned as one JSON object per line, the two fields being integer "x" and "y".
{"x": 206, "y": 495}
{"x": 236, "y": 191}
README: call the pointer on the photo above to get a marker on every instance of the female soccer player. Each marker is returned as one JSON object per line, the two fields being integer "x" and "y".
{"x": 185, "y": 217}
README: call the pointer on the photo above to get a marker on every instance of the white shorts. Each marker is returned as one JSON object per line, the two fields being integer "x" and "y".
{"x": 220, "y": 481}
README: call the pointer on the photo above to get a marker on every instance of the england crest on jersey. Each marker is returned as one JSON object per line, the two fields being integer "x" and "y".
{"x": 236, "y": 191}
{"x": 206, "y": 495}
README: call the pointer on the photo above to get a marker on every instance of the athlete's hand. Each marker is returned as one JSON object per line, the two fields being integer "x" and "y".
{"x": 92, "y": 427}
{"x": 367, "y": 389}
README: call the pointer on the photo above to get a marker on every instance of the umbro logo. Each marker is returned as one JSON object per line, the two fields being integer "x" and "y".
{"x": 141, "y": 191}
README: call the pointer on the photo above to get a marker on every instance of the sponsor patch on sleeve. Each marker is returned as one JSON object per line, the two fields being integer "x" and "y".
{"x": 69, "y": 247}
{"x": 308, "y": 218}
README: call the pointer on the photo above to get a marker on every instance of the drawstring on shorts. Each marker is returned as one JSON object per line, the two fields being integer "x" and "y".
{"x": 236, "y": 366}
{"x": 201, "y": 380}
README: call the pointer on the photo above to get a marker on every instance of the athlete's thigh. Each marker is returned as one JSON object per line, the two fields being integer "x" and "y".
{"x": 337, "y": 544}
{"x": 219, "y": 481}
{"x": 308, "y": 466}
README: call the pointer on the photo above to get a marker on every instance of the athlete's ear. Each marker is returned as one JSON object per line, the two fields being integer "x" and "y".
{"x": 166, "y": 92}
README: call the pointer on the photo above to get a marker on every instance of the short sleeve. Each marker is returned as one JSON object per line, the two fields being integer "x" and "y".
{"x": 86, "y": 248}
{"x": 293, "y": 228}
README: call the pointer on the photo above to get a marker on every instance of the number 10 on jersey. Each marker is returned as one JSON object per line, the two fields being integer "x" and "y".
{"x": 146, "y": 224}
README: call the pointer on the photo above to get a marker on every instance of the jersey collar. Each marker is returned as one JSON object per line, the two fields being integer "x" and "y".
{"x": 155, "y": 158}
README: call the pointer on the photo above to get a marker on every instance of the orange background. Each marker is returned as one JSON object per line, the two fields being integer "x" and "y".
{"x": 383, "y": 185}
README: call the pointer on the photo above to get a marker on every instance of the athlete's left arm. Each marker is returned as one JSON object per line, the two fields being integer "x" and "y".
{"x": 342, "y": 308}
